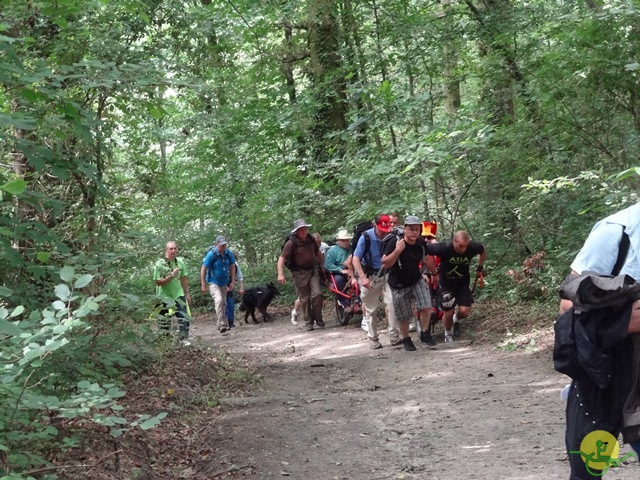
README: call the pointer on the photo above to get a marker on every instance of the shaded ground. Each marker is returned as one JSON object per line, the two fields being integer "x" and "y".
{"x": 329, "y": 408}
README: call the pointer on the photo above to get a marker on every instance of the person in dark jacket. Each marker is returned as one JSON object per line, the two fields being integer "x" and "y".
{"x": 602, "y": 357}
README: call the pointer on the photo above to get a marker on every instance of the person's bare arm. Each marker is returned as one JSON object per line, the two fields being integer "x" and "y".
{"x": 281, "y": 278}
{"x": 203, "y": 279}
{"x": 566, "y": 304}
{"x": 634, "y": 323}
{"x": 357, "y": 267}
{"x": 391, "y": 258}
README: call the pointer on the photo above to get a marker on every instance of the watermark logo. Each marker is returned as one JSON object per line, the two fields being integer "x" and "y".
{"x": 600, "y": 451}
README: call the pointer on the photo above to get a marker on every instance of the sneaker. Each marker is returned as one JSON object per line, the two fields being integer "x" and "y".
{"x": 309, "y": 328}
{"x": 395, "y": 341}
{"x": 374, "y": 344}
{"x": 364, "y": 326}
{"x": 408, "y": 344}
{"x": 185, "y": 343}
{"x": 448, "y": 338}
{"x": 294, "y": 316}
{"x": 412, "y": 327}
{"x": 456, "y": 329}
{"x": 425, "y": 337}
{"x": 222, "y": 329}
{"x": 320, "y": 324}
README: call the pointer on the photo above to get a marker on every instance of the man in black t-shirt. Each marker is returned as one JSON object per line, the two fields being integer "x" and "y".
{"x": 455, "y": 259}
{"x": 403, "y": 257}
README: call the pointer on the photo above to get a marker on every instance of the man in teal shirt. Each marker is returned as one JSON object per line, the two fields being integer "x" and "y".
{"x": 170, "y": 275}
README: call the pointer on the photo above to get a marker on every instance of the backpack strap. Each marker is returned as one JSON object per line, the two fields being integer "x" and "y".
{"x": 623, "y": 250}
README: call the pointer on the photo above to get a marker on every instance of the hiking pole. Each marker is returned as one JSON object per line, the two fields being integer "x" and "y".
{"x": 481, "y": 277}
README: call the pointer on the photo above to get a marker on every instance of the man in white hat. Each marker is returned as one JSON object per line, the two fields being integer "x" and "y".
{"x": 336, "y": 263}
{"x": 301, "y": 254}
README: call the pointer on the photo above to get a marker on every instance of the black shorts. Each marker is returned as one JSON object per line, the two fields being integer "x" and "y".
{"x": 449, "y": 298}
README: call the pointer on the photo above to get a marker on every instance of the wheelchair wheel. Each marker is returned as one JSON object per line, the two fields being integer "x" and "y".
{"x": 343, "y": 318}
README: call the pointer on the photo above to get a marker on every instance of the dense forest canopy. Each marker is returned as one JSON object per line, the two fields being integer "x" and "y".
{"x": 127, "y": 123}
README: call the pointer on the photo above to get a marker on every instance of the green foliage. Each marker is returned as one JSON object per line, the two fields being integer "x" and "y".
{"x": 46, "y": 363}
{"x": 201, "y": 118}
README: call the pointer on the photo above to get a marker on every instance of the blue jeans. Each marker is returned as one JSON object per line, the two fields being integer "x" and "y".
{"x": 230, "y": 308}
{"x": 180, "y": 312}
{"x": 636, "y": 447}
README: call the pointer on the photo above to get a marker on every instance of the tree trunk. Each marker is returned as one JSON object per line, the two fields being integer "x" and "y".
{"x": 329, "y": 86}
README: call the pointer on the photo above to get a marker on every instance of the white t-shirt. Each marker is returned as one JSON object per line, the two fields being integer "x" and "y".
{"x": 600, "y": 251}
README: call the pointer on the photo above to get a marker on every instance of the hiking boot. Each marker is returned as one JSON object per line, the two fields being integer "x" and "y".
{"x": 448, "y": 338}
{"x": 425, "y": 337}
{"x": 294, "y": 317}
{"x": 456, "y": 330}
{"x": 374, "y": 344}
{"x": 395, "y": 341}
{"x": 408, "y": 344}
{"x": 308, "y": 328}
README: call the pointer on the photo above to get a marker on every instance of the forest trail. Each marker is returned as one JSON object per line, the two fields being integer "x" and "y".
{"x": 331, "y": 408}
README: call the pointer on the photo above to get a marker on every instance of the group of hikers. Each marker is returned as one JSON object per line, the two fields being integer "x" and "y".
{"x": 416, "y": 275}
{"x": 404, "y": 265}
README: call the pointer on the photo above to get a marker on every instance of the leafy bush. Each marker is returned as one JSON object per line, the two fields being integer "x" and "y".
{"x": 54, "y": 361}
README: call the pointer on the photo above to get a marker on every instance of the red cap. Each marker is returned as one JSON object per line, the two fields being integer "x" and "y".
{"x": 384, "y": 224}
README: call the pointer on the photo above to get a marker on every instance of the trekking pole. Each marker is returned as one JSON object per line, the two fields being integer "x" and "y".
{"x": 481, "y": 277}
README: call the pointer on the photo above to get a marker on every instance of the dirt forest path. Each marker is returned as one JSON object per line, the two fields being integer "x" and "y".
{"x": 331, "y": 408}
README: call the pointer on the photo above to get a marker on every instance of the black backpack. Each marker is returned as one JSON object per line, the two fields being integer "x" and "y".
{"x": 215, "y": 257}
{"x": 290, "y": 262}
{"x": 398, "y": 233}
{"x": 358, "y": 231}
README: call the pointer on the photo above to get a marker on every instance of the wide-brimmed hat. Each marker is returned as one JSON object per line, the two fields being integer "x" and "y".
{"x": 344, "y": 235}
{"x": 412, "y": 220}
{"x": 384, "y": 224}
{"x": 220, "y": 240}
{"x": 299, "y": 224}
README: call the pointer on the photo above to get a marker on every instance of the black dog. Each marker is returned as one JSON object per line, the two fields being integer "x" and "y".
{"x": 258, "y": 298}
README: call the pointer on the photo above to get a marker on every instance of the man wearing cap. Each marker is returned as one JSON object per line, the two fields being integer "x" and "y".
{"x": 335, "y": 262}
{"x": 367, "y": 265}
{"x": 455, "y": 260}
{"x": 218, "y": 266}
{"x": 301, "y": 254}
{"x": 403, "y": 257}
{"x": 170, "y": 275}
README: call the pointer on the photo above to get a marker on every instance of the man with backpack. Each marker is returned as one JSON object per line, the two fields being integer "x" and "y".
{"x": 367, "y": 265}
{"x": 403, "y": 256}
{"x": 301, "y": 255}
{"x": 218, "y": 266}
